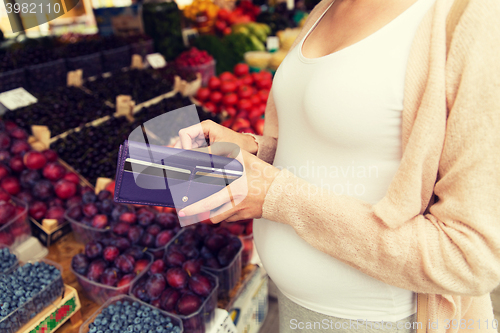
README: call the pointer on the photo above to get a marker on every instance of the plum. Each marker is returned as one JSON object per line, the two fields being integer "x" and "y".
{"x": 110, "y": 276}
{"x": 155, "y": 285}
{"x": 169, "y": 298}
{"x": 125, "y": 263}
{"x": 188, "y": 304}
{"x": 95, "y": 269}
{"x": 200, "y": 285}
{"x": 80, "y": 263}
{"x": 177, "y": 277}
{"x": 93, "y": 249}
{"x": 110, "y": 253}
{"x": 193, "y": 266}
{"x": 174, "y": 259}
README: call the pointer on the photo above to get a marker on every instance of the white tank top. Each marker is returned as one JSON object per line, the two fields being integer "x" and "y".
{"x": 340, "y": 128}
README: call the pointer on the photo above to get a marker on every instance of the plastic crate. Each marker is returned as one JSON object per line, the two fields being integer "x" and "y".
{"x": 91, "y": 64}
{"x": 48, "y": 75}
{"x": 17, "y": 230}
{"x": 116, "y": 59}
{"x": 84, "y": 328}
{"x": 84, "y": 233}
{"x": 12, "y": 79}
{"x": 35, "y": 305}
{"x": 206, "y": 70}
{"x": 142, "y": 48}
{"x": 197, "y": 321}
{"x": 100, "y": 293}
{"x": 228, "y": 276}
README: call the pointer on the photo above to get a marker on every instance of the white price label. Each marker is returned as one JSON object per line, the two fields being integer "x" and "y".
{"x": 273, "y": 43}
{"x": 156, "y": 60}
{"x": 17, "y": 98}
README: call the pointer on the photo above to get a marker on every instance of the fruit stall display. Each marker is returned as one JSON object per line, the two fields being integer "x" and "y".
{"x": 61, "y": 109}
{"x": 245, "y": 12}
{"x": 27, "y": 291}
{"x": 109, "y": 267}
{"x": 195, "y": 61}
{"x": 98, "y": 157}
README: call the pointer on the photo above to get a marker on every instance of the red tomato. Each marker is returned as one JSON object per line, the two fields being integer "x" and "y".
{"x": 231, "y": 111}
{"x": 263, "y": 94}
{"x": 223, "y": 14}
{"x": 256, "y": 76}
{"x": 240, "y": 123}
{"x": 262, "y": 108}
{"x": 247, "y": 130}
{"x": 241, "y": 70}
{"x": 244, "y": 91}
{"x": 227, "y": 123}
{"x": 255, "y": 99}
{"x": 242, "y": 114}
{"x": 263, "y": 83}
{"x": 228, "y": 87}
{"x": 203, "y": 94}
{"x": 227, "y": 31}
{"x": 216, "y": 97}
{"x": 211, "y": 107}
{"x": 214, "y": 83}
{"x": 230, "y": 99}
{"x": 254, "y": 114}
{"x": 247, "y": 79}
{"x": 220, "y": 25}
{"x": 266, "y": 74}
{"x": 226, "y": 76}
{"x": 244, "y": 105}
{"x": 259, "y": 126}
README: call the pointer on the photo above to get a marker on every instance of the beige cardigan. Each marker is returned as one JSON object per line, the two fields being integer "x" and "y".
{"x": 452, "y": 250}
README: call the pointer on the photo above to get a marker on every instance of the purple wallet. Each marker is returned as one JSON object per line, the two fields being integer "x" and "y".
{"x": 170, "y": 177}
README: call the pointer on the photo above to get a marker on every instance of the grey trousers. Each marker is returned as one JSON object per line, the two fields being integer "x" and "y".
{"x": 295, "y": 318}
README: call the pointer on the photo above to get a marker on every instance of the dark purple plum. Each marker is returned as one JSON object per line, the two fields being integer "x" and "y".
{"x": 135, "y": 252}
{"x": 28, "y": 178}
{"x": 166, "y": 220}
{"x": 188, "y": 304}
{"x": 121, "y": 229}
{"x": 93, "y": 249}
{"x": 110, "y": 277}
{"x": 204, "y": 229}
{"x": 215, "y": 242}
{"x": 90, "y": 210}
{"x": 155, "y": 285}
{"x": 226, "y": 255}
{"x": 135, "y": 234}
{"x": 193, "y": 266}
{"x": 106, "y": 206}
{"x": 212, "y": 263}
{"x": 110, "y": 253}
{"x": 141, "y": 293}
{"x": 200, "y": 285}
{"x": 125, "y": 263}
{"x": 80, "y": 263}
{"x": 153, "y": 229}
{"x": 43, "y": 189}
{"x": 73, "y": 201}
{"x": 177, "y": 278}
{"x": 164, "y": 237}
{"x": 189, "y": 251}
{"x": 121, "y": 243}
{"x": 25, "y": 196}
{"x": 169, "y": 299}
{"x": 117, "y": 211}
{"x": 145, "y": 218}
{"x": 158, "y": 266}
{"x": 89, "y": 197}
{"x": 174, "y": 259}
{"x": 95, "y": 270}
{"x": 147, "y": 240}
{"x": 205, "y": 253}
{"x": 75, "y": 213}
{"x": 104, "y": 195}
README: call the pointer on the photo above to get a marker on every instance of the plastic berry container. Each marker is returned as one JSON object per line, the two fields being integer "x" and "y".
{"x": 91, "y": 65}
{"x": 17, "y": 318}
{"x": 84, "y": 328}
{"x": 228, "y": 276}
{"x": 247, "y": 252}
{"x": 84, "y": 233}
{"x": 18, "y": 229}
{"x": 206, "y": 70}
{"x": 100, "y": 293}
{"x": 116, "y": 59}
{"x": 12, "y": 267}
{"x": 199, "y": 320}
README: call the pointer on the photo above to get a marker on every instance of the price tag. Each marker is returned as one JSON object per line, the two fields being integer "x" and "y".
{"x": 156, "y": 60}
{"x": 17, "y": 98}
{"x": 272, "y": 43}
{"x": 74, "y": 78}
{"x": 101, "y": 184}
{"x": 137, "y": 61}
{"x": 124, "y": 107}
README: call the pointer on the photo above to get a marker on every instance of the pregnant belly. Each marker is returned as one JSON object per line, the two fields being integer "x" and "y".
{"x": 320, "y": 282}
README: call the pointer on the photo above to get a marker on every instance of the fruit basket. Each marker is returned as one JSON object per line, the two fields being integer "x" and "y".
{"x": 227, "y": 275}
{"x": 8, "y": 261}
{"x": 90, "y": 64}
{"x": 116, "y": 59}
{"x": 12, "y": 79}
{"x": 17, "y": 228}
{"x": 125, "y": 300}
{"x": 47, "y": 75}
{"x": 38, "y": 301}
{"x": 142, "y": 48}
{"x": 206, "y": 70}
{"x": 100, "y": 293}
{"x": 196, "y": 321}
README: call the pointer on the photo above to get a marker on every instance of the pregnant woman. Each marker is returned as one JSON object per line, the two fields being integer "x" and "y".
{"x": 384, "y": 180}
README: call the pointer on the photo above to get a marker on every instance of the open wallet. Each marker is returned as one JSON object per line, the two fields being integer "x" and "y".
{"x": 169, "y": 177}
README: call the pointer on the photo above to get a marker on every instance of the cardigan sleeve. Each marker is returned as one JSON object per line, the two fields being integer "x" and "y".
{"x": 455, "y": 247}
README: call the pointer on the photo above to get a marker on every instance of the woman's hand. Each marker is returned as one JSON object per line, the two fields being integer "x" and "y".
{"x": 195, "y": 136}
{"x": 242, "y": 199}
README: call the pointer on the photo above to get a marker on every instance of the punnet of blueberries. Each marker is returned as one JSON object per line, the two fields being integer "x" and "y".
{"x": 7, "y": 260}
{"x": 130, "y": 317}
{"x": 26, "y": 292}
